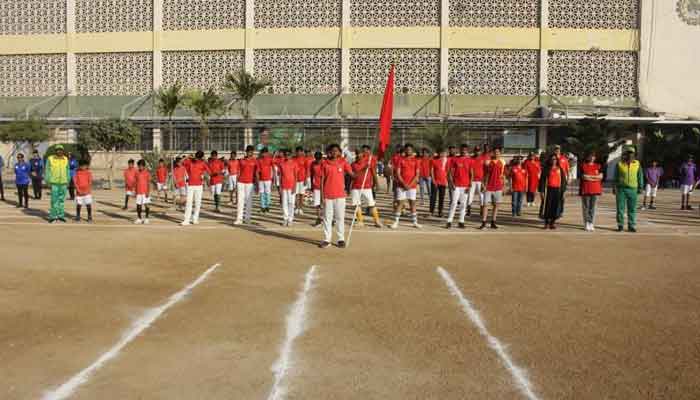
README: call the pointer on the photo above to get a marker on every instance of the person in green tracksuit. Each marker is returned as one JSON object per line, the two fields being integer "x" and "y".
{"x": 57, "y": 176}
{"x": 629, "y": 181}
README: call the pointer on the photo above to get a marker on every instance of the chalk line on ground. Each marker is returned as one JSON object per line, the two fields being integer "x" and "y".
{"x": 295, "y": 327}
{"x": 518, "y": 373}
{"x": 137, "y": 327}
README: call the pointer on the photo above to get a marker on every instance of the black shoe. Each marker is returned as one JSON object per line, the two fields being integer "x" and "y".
{"x": 18, "y": 206}
{"x": 483, "y": 226}
{"x": 469, "y": 211}
{"x": 462, "y": 226}
{"x": 52, "y": 220}
{"x": 77, "y": 220}
{"x": 62, "y": 219}
{"x": 341, "y": 244}
{"x": 317, "y": 223}
{"x": 632, "y": 230}
{"x": 689, "y": 208}
{"x": 449, "y": 225}
{"x": 89, "y": 220}
{"x": 493, "y": 225}
{"x": 620, "y": 229}
{"x": 324, "y": 245}
{"x": 652, "y": 207}
{"x": 124, "y": 208}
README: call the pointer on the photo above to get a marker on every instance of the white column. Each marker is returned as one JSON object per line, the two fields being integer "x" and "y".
{"x": 542, "y": 138}
{"x": 249, "y": 33}
{"x": 544, "y": 51}
{"x": 71, "y": 80}
{"x": 344, "y": 139}
{"x": 157, "y": 53}
{"x": 248, "y": 137}
{"x": 444, "y": 46}
{"x": 345, "y": 47}
{"x": 157, "y": 139}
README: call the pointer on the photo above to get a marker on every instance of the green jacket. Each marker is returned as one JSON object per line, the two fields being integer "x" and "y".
{"x": 629, "y": 175}
{"x": 57, "y": 170}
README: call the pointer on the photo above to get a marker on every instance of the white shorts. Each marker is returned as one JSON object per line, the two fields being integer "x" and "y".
{"x": 216, "y": 188}
{"x": 358, "y": 194}
{"x": 493, "y": 197}
{"x": 317, "y": 198}
{"x": 307, "y": 183}
{"x": 160, "y": 186}
{"x": 84, "y": 200}
{"x": 130, "y": 193}
{"x": 686, "y": 189}
{"x": 142, "y": 199}
{"x": 232, "y": 182}
{"x": 300, "y": 188}
{"x": 403, "y": 194}
{"x": 182, "y": 191}
{"x": 651, "y": 190}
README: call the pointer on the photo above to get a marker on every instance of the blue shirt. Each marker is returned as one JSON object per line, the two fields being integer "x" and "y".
{"x": 73, "y": 165}
{"x": 22, "y": 173}
{"x": 37, "y": 166}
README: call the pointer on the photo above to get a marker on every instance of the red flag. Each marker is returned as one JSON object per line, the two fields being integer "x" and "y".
{"x": 387, "y": 115}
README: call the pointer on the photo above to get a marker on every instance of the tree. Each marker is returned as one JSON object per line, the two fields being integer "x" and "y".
{"x": 168, "y": 100}
{"x": 110, "y": 136}
{"x": 31, "y": 131}
{"x": 669, "y": 145}
{"x": 245, "y": 87}
{"x": 204, "y": 104}
{"x": 590, "y": 135}
{"x": 440, "y": 137}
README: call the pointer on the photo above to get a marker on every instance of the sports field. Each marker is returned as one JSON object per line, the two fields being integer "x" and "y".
{"x": 118, "y": 311}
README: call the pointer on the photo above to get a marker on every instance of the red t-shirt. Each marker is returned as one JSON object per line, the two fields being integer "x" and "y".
{"x": 495, "y": 168}
{"x": 554, "y": 178}
{"x": 533, "y": 175}
{"x": 247, "y": 169}
{"x": 307, "y": 166}
{"x": 425, "y": 164}
{"x": 395, "y": 161}
{"x": 301, "y": 164}
{"x": 83, "y": 182}
{"x": 439, "y": 167}
{"x": 358, "y": 167}
{"x": 196, "y": 172}
{"x": 216, "y": 171}
{"x": 564, "y": 164}
{"x": 179, "y": 176}
{"x": 288, "y": 172}
{"x": 316, "y": 172}
{"x": 265, "y": 165}
{"x": 410, "y": 168}
{"x": 518, "y": 178}
{"x": 478, "y": 167}
{"x": 232, "y": 166}
{"x": 591, "y": 187}
{"x": 143, "y": 182}
{"x": 187, "y": 162}
{"x": 162, "y": 174}
{"x": 333, "y": 172}
{"x": 130, "y": 178}
{"x": 460, "y": 168}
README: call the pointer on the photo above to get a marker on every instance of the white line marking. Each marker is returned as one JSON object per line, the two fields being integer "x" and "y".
{"x": 518, "y": 373}
{"x": 295, "y": 327}
{"x": 137, "y": 327}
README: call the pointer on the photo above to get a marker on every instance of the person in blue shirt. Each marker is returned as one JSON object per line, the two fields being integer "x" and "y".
{"x": 73, "y": 167}
{"x": 37, "y": 174}
{"x": 2, "y": 188}
{"x": 22, "y": 180}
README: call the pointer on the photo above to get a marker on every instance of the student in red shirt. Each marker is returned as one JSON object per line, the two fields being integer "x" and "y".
{"x": 365, "y": 170}
{"x": 459, "y": 173}
{"x": 232, "y": 172}
{"x": 333, "y": 173}
{"x": 289, "y": 171}
{"x": 394, "y": 163}
{"x": 316, "y": 179}
{"x": 477, "y": 185}
{"x": 83, "y": 186}
{"x": 426, "y": 161}
{"x": 533, "y": 168}
{"x": 518, "y": 185}
{"x": 307, "y": 167}
{"x": 494, "y": 174}
{"x": 129, "y": 183}
{"x": 197, "y": 170}
{"x": 216, "y": 178}
{"x": 301, "y": 179}
{"x": 143, "y": 192}
{"x": 438, "y": 178}
{"x": 552, "y": 188}
{"x": 162, "y": 179}
{"x": 408, "y": 174}
{"x": 591, "y": 188}
{"x": 247, "y": 174}
{"x": 563, "y": 161}
{"x": 265, "y": 172}
{"x": 180, "y": 181}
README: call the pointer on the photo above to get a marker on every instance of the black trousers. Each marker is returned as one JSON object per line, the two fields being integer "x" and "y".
{"x": 36, "y": 187}
{"x": 23, "y": 195}
{"x": 530, "y": 197}
{"x": 2, "y": 188}
{"x": 437, "y": 195}
{"x": 71, "y": 189}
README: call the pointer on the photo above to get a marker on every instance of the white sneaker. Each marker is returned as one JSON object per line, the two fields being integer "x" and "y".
{"x": 395, "y": 225}
{"x": 238, "y": 222}
{"x": 195, "y": 222}
{"x": 184, "y": 223}
{"x": 301, "y": 212}
{"x": 138, "y": 222}
{"x": 146, "y": 221}
{"x": 592, "y": 228}
{"x": 417, "y": 225}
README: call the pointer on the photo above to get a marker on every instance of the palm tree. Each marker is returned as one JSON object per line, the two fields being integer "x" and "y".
{"x": 245, "y": 87}
{"x": 204, "y": 104}
{"x": 168, "y": 100}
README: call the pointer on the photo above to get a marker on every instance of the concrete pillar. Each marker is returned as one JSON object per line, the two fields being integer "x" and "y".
{"x": 248, "y": 137}
{"x": 71, "y": 73}
{"x": 345, "y": 34}
{"x": 157, "y": 53}
{"x": 444, "y": 46}
{"x": 544, "y": 51}
{"x": 344, "y": 139}
{"x": 542, "y": 138}
{"x": 157, "y": 139}
{"x": 249, "y": 33}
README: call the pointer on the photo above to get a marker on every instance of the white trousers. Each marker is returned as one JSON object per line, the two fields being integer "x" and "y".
{"x": 474, "y": 190}
{"x": 288, "y": 199}
{"x": 459, "y": 195}
{"x": 334, "y": 209}
{"x": 245, "y": 202}
{"x": 194, "y": 198}
{"x": 265, "y": 187}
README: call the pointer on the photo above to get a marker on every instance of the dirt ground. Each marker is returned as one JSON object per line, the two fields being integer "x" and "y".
{"x": 601, "y": 315}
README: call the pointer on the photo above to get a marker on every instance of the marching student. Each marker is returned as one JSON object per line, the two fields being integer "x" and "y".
{"x": 459, "y": 172}
{"x": 394, "y": 163}
{"x": 629, "y": 182}
{"x": 22, "y": 180}
{"x": 518, "y": 185}
{"x": 162, "y": 180}
{"x": 265, "y": 173}
{"x": 652, "y": 176}
{"x": 494, "y": 173}
{"x": 591, "y": 188}
{"x": 307, "y": 167}
{"x": 2, "y": 186}
{"x": 333, "y": 173}
{"x": 689, "y": 178}
{"x": 408, "y": 174}
{"x": 365, "y": 170}
{"x": 180, "y": 183}
{"x": 37, "y": 169}
{"x": 216, "y": 179}
{"x": 477, "y": 186}
{"x": 57, "y": 173}
{"x": 73, "y": 167}
{"x": 301, "y": 179}
{"x": 289, "y": 173}
{"x": 247, "y": 174}
{"x": 533, "y": 168}
{"x": 143, "y": 193}
{"x": 195, "y": 173}
{"x": 232, "y": 171}
{"x": 129, "y": 183}
{"x": 316, "y": 178}
{"x": 552, "y": 188}
{"x": 438, "y": 179}
{"x": 425, "y": 182}
{"x": 83, "y": 187}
